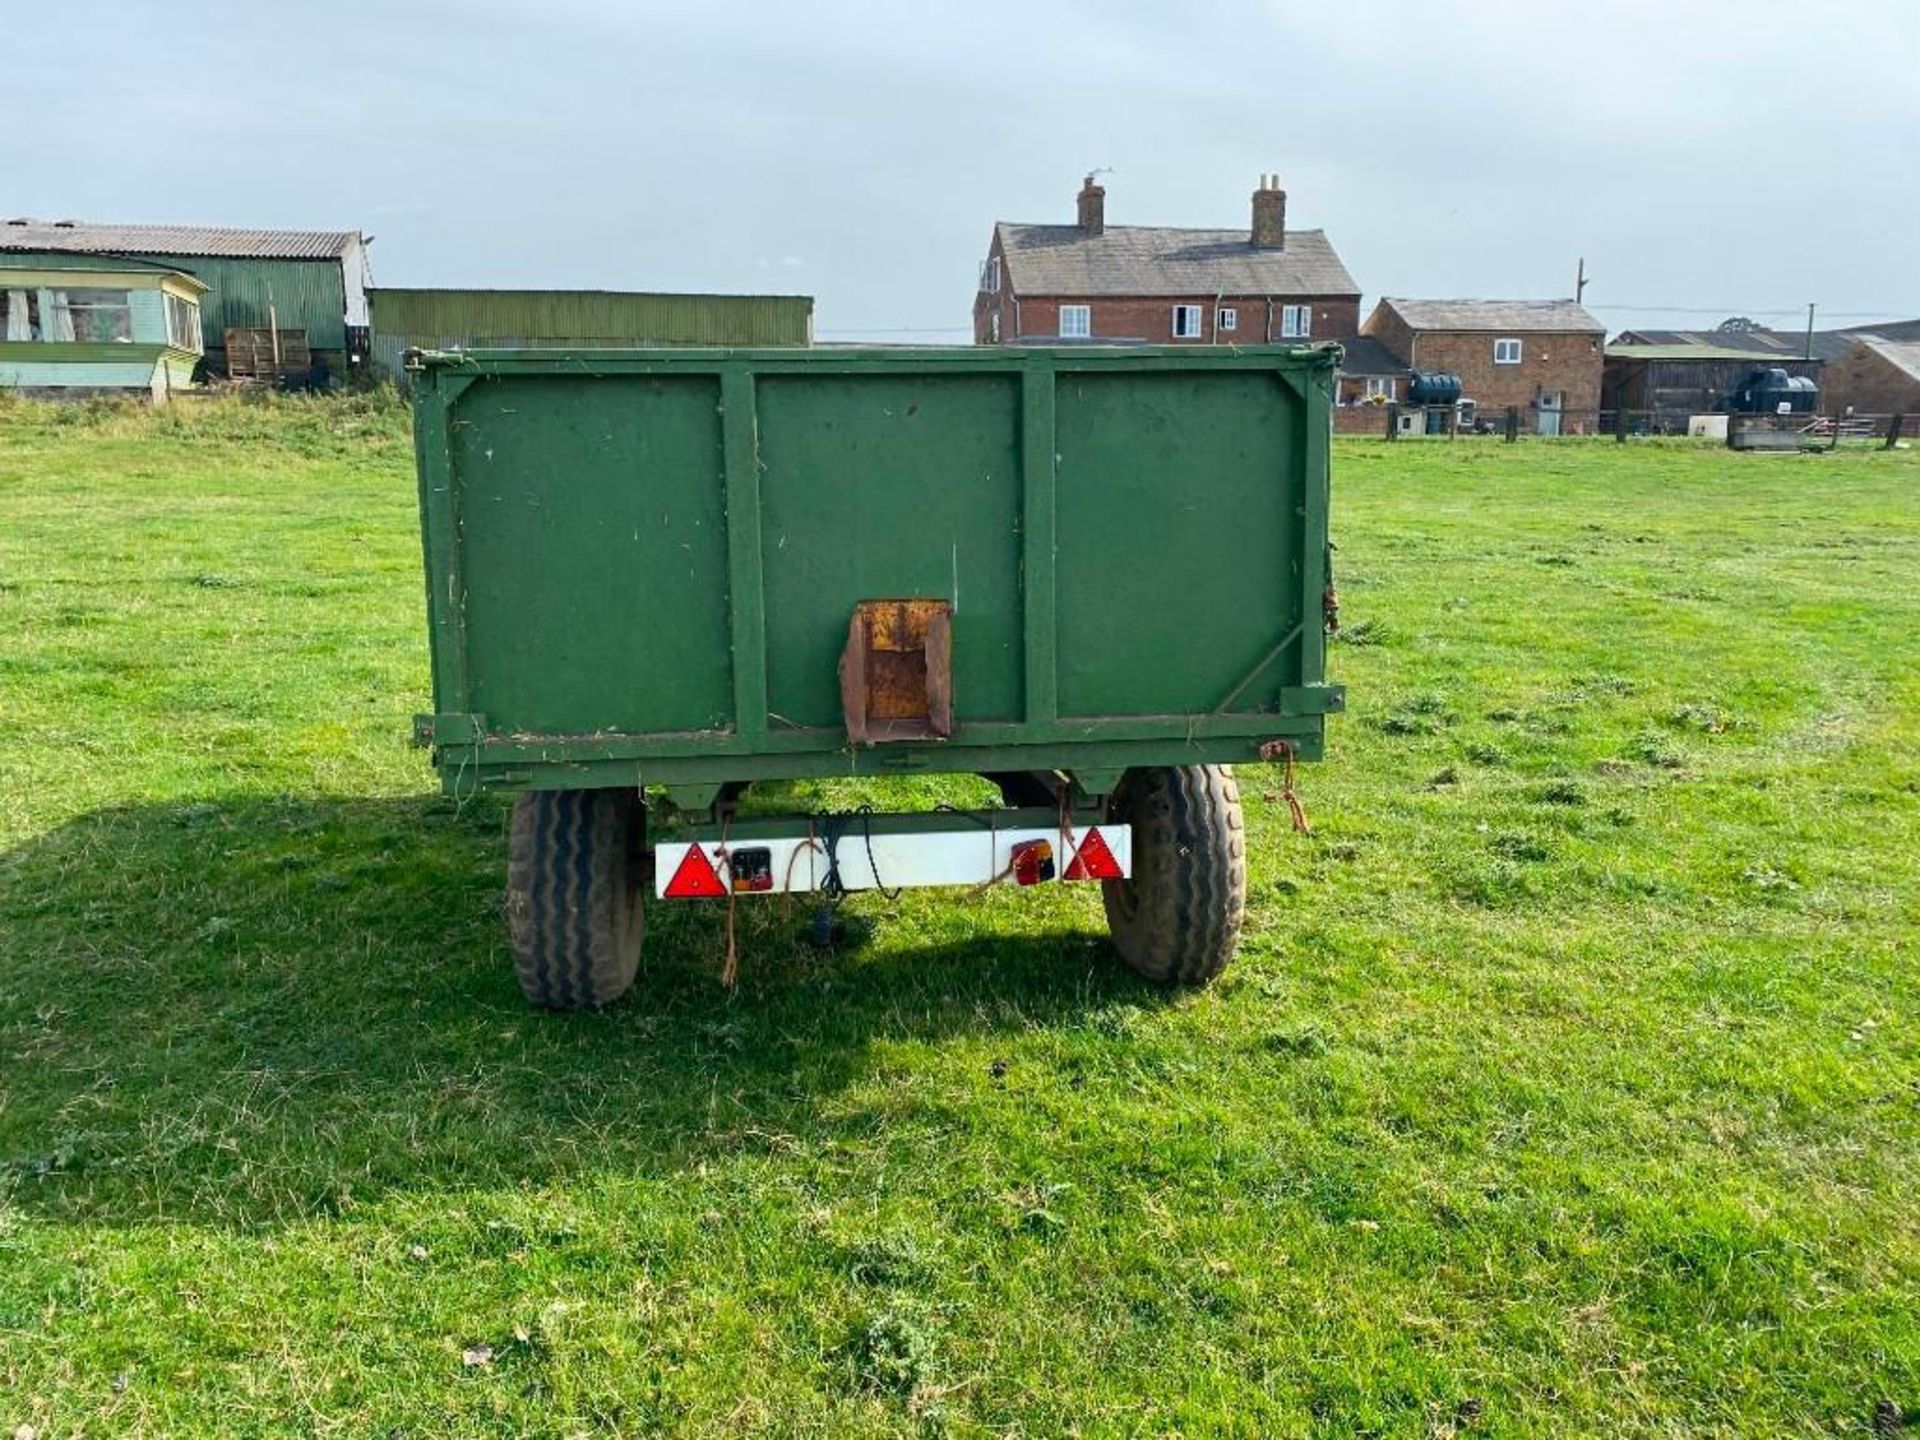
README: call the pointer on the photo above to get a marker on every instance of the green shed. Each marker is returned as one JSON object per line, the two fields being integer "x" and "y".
{"x": 311, "y": 280}
{"x": 410, "y": 319}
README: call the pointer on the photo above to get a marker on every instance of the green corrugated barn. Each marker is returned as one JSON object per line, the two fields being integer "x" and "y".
{"x": 405, "y": 319}
{"x": 311, "y": 280}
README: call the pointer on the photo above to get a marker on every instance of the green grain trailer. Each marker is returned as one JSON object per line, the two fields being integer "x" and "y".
{"x": 1098, "y": 577}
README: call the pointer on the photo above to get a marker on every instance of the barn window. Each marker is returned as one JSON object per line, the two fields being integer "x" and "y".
{"x": 1506, "y": 352}
{"x": 1186, "y": 322}
{"x": 92, "y": 316}
{"x": 1076, "y": 321}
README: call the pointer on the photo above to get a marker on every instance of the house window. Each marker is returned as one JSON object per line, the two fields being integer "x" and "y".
{"x": 183, "y": 324}
{"x": 1076, "y": 322}
{"x": 19, "y": 314}
{"x": 1506, "y": 352}
{"x": 1296, "y": 322}
{"x": 92, "y": 316}
{"x": 993, "y": 328}
{"x": 1227, "y": 318}
{"x": 1380, "y": 387}
{"x": 990, "y": 275}
{"x": 1186, "y": 322}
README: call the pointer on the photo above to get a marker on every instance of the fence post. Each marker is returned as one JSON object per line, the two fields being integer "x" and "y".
{"x": 1620, "y": 427}
{"x": 1893, "y": 431}
{"x": 1513, "y": 423}
{"x": 1393, "y": 420}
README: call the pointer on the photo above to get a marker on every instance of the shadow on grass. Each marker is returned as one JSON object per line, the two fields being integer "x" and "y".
{"x": 248, "y": 1012}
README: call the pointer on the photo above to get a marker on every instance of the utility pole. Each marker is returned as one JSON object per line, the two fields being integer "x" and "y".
{"x": 1580, "y": 282}
{"x": 1809, "y": 330}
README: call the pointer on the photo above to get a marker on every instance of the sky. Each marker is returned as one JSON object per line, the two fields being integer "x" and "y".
{"x": 1705, "y": 158}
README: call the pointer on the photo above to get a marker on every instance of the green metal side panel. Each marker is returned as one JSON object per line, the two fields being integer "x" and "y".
{"x": 641, "y": 564}
{"x": 875, "y": 486}
{"x": 1179, "y": 515}
{"x": 595, "y": 553}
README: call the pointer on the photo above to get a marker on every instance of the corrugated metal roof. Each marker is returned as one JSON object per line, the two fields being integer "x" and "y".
{"x": 1691, "y": 352}
{"x": 1903, "y": 355}
{"x": 1751, "y": 344}
{"x": 88, "y": 238}
{"x": 590, "y": 317}
{"x": 1520, "y": 315}
{"x": 1160, "y": 260}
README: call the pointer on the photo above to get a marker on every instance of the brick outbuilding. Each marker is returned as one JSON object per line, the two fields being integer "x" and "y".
{"x": 1543, "y": 356}
{"x": 1161, "y": 284}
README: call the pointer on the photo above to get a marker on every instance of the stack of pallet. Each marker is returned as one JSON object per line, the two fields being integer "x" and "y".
{"x": 269, "y": 356}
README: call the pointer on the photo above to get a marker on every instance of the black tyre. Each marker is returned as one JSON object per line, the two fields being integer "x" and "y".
{"x": 574, "y": 896}
{"x": 1178, "y": 918}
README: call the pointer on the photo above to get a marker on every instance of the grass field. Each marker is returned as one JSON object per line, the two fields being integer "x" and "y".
{"x": 1569, "y": 1081}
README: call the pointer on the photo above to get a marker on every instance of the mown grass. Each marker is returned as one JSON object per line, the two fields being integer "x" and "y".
{"x": 1568, "y": 1082}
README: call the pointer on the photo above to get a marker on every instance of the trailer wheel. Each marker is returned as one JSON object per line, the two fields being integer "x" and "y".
{"x": 574, "y": 904}
{"x": 1178, "y": 918}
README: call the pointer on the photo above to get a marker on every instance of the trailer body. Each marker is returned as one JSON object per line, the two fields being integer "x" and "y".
{"x": 641, "y": 565}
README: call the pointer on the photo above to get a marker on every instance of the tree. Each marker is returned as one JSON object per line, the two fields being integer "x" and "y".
{"x": 1737, "y": 325}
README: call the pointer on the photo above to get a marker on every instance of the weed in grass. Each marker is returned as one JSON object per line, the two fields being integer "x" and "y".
{"x": 1703, "y": 718}
{"x": 1363, "y": 633}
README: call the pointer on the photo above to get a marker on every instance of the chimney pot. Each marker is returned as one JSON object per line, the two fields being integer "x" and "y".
{"x": 1270, "y": 215}
{"x": 1092, "y": 208}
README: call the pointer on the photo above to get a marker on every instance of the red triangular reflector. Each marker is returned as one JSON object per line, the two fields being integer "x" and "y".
{"x": 1093, "y": 861}
{"x": 696, "y": 878}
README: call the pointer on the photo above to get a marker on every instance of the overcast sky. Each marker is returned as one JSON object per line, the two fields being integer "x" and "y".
{"x": 1709, "y": 157}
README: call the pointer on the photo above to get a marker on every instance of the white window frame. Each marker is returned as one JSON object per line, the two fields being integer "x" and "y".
{"x": 990, "y": 275}
{"x": 1296, "y": 322}
{"x": 1076, "y": 322}
{"x": 1502, "y": 355}
{"x": 1187, "y": 320}
{"x": 183, "y": 323}
{"x": 993, "y": 328}
{"x": 1380, "y": 387}
{"x": 1226, "y": 318}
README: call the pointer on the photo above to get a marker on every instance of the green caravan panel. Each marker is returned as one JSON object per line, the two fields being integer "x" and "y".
{"x": 593, "y": 552}
{"x": 1179, "y": 549}
{"x": 890, "y": 486}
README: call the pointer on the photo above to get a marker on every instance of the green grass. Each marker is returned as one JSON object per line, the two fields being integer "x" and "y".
{"x": 1568, "y": 1082}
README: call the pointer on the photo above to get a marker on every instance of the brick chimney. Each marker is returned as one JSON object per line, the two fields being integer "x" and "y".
{"x": 1270, "y": 214}
{"x": 1093, "y": 208}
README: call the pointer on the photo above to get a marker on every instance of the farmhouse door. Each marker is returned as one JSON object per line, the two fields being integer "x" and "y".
{"x": 1550, "y": 412}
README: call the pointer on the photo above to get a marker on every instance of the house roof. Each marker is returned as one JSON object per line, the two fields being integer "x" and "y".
{"x": 1166, "y": 260}
{"x": 1507, "y": 315}
{"x": 87, "y": 238}
{"x": 1365, "y": 355}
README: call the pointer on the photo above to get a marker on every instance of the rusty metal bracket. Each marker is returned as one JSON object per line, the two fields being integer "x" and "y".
{"x": 896, "y": 672}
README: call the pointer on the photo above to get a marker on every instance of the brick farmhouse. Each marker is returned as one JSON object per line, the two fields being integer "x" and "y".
{"x": 1541, "y": 356}
{"x": 1163, "y": 285}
